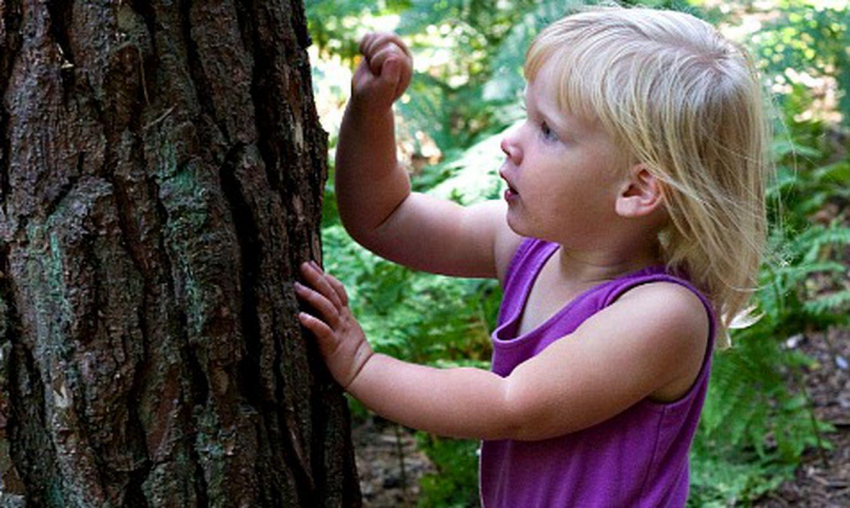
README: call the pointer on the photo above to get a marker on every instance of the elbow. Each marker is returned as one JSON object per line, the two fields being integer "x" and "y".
{"x": 367, "y": 238}
{"x": 376, "y": 231}
{"x": 356, "y": 231}
{"x": 513, "y": 420}
{"x": 528, "y": 428}
{"x": 512, "y": 431}
{"x": 359, "y": 227}
{"x": 516, "y": 428}
{"x": 528, "y": 417}
{"x": 353, "y": 219}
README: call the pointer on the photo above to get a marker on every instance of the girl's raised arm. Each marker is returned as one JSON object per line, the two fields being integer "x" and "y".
{"x": 375, "y": 201}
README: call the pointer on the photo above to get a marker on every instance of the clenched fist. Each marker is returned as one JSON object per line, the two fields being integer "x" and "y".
{"x": 384, "y": 73}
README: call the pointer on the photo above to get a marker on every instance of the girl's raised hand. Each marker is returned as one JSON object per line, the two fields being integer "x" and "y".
{"x": 341, "y": 340}
{"x": 385, "y": 71}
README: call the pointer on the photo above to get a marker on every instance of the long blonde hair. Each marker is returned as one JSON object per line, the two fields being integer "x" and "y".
{"x": 687, "y": 103}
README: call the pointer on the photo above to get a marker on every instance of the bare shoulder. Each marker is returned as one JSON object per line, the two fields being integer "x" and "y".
{"x": 669, "y": 304}
{"x": 672, "y": 321}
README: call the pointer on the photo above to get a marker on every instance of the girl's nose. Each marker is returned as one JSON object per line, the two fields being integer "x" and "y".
{"x": 511, "y": 148}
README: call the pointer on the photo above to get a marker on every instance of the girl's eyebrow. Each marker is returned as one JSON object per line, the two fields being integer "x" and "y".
{"x": 562, "y": 125}
{"x": 553, "y": 121}
{"x": 572, "y": 126}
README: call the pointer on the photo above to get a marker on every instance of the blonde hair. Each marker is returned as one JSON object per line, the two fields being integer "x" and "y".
{"x": 687, "y": 104}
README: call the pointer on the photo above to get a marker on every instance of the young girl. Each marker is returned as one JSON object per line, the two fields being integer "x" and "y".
{"x": 629, "y": 237}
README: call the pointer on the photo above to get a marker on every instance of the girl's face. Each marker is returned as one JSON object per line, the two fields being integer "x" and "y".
{"x": 563, "y": 173}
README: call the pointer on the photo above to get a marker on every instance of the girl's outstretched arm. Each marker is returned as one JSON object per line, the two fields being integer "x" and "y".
{"x": 460, "y": 402}
{"x": 650, "y": 343}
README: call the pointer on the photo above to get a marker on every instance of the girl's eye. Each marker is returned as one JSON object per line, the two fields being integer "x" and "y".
{"x": 548, "y": 134}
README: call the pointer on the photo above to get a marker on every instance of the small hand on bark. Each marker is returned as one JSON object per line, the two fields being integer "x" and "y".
{"x": 341, "y": 340}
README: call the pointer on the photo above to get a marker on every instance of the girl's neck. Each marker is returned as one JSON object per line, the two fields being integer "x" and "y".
{"x": 585, "y": 267}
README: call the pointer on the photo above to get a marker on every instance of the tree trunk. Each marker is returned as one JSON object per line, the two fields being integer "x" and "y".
{"x": 162, "y": 168}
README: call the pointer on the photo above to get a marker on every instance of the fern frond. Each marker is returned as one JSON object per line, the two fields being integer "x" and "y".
{"x": 838, "y": 302}
{"x": 834, "y": 235}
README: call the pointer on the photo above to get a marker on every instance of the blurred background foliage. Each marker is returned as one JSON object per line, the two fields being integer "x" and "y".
{"x": 466, "y": 92}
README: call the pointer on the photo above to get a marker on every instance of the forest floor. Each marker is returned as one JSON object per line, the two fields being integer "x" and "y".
{"x": 823, "y": 479}
{"x": 381, "y": 447}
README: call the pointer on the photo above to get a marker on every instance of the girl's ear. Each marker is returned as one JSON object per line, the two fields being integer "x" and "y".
{"x": 640, "y": 194}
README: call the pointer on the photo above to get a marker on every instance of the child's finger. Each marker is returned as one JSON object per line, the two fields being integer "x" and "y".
{"x": 326, "y": 308}
{"x": 366, "y": 42}
{"x": 393, "y": 38}
{"x": 326, "y": 282}
{"x": 363, "y": 42}
{"x": 372, "y": 43}
{"x": 314, "y": 275}
{"x": 339, "y": 288}
{"x": 318, "y": 328}
{"x": 379, "y": 63}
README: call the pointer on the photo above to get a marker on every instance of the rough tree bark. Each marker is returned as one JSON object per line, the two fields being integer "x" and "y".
{"x": 161, "y": 168}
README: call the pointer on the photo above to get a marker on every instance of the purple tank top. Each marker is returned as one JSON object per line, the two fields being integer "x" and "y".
{"x": 638, "y": 458}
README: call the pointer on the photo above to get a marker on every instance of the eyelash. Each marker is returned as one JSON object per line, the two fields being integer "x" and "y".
{"x": 545, "y": 130}
{"x": 547, "y": 133}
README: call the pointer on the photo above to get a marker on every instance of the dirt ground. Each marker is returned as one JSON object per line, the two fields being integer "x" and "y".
{"x": 381, "y": 448}
{"x": 822, "y": 481}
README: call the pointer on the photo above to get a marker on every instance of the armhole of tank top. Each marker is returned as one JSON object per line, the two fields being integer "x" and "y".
{"x": 519, "y": 254}
{"x": 709, "y": 346}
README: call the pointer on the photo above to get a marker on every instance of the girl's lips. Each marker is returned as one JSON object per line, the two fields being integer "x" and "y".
{"x": 510, "y": 193}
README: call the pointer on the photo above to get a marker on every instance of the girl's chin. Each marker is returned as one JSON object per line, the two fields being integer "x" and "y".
{"x": 515, "y": 223}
